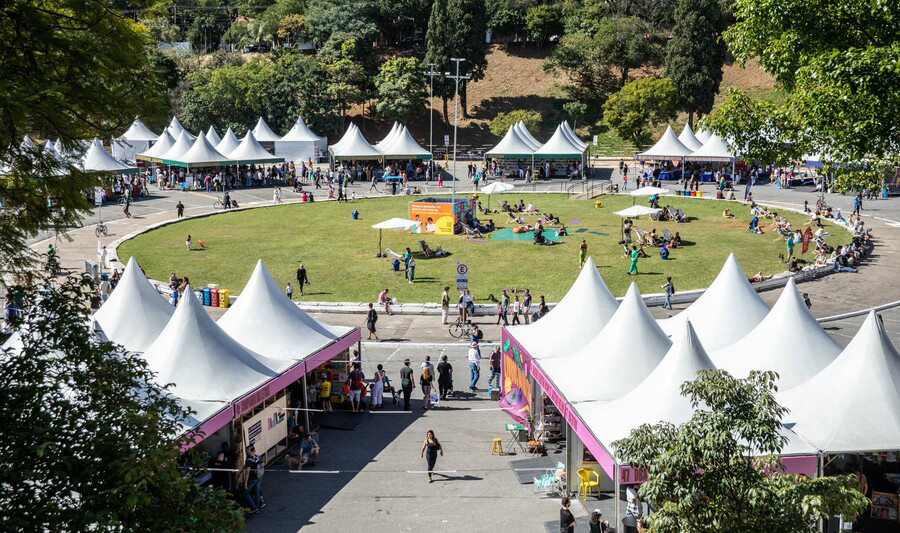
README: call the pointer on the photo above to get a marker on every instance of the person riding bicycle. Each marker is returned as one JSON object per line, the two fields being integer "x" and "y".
{"x": 227, "y": 200}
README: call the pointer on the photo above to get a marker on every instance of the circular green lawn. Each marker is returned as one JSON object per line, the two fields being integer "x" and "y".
{"x": 339, "y": 253}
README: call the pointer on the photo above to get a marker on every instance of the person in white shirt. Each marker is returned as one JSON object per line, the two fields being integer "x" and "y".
{"x": 474, "y": 371}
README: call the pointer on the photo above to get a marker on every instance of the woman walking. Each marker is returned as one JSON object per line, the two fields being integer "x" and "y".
{"x": 430, "y": 449}
{"x": 378, "y": 388}
{"x": 371, "y": 318}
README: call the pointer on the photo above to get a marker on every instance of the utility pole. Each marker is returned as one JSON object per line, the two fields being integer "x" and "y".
{"x": 431, "y": 74}
{"x": 456, "y": 78}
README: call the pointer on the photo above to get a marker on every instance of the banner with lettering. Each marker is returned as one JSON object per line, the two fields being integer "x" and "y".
{"x": 515, "y": 388}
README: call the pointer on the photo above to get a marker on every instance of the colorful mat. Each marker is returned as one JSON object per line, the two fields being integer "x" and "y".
{"x": 507, "y": 234}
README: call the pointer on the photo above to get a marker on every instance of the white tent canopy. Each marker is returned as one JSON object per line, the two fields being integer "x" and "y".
{"x": 497, "y": 187}
{"x": 526, "y": 135}
{"x": 200, "y": 154}
{"x": 354, "y": 146}
{"x": 138, "y": 132}
{"x": 512, "y": 145}
{"x": 703, "y": 135}
{"x": 788, "y": 341}
{"x": 396, "y": 224}
{"x": 266, "y": 321}
{"x": 727, "y": 311}
{"x": 395, "y": 129}
{"x": 250, "y": 151}
{"x": 135, "y": 313}
{"x": 201, "y": 360}
{"x": 570, "y": 133}
{"x": 182, "y": 144}
{"x": 637, "y": 210}
{"x": 648, "y": 191}
{"x": 403, "y": 146}
{"x": 300, "y": 143}
{"x": 657, "y": 398}
{"x": 714, "y": 149}
{"x": 229, "y": 142}
{"x": 628, "y": 348}
{"x": 175, "y": 128}
{"x": 688, "y": 139}
{"x": 576, "y": 319}
{"x": 213, "y": 136}
{"x": 853, "y": 405}
{"x": 301, "y": 132}
{"x": 559, "y": 146}
{"x": 667, "y": 147}
{"x": 263, "y": 133}
{"x": 96, "y": 158}
{"x": 162, "y": 145}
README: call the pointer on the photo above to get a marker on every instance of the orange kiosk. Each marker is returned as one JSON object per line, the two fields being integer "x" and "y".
{"x": 441, "y": 215}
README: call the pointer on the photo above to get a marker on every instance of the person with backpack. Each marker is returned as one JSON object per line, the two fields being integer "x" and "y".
{"x": 355, "y": 385}
{"x": 669, "y": 289}
{"x": 254, "y": 467}
{"x": 426, "y": 380}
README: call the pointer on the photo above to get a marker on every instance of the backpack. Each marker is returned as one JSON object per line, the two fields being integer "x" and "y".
{"x": 357, "y": 380}
{"x": 426, "y": 374}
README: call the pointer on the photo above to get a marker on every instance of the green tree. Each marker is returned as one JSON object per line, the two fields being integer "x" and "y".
{"x": 204, "y": 32}
{"x": 400, "y": 89}
{"x": 162, "y": 29}
{"x": 438, "y": 51}
{"x": 352, "y": 19}
{"x": 89, "y": 441}
{"x": 625, "y": 43}
{"x": 591, "y": 80}
{"x": 695, "y": 54}
{"x": 402, "y": 18}
{"x": 701, "y": 476}
{"x": 543, "y": 21}
{"x": 348, "y": 82}
{"x": 840, "y": 61}
{"x": 506, "y": 17}
{"x": 71, "y": 70}
{"x": 758, "y": 131}
{"x": 503, "y": 121}
{"x": 639, "y": 105}
{"x": 576, "y": 111}
{"x": 284, "y": 21}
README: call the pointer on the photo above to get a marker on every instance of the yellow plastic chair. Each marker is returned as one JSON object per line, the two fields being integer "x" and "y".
{"x": 589, "y": 480}
{"x": 497, "y": 446}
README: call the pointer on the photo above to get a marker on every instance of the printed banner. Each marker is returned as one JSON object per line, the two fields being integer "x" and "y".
{"x": 435, "y": 218}
{"x": 515, "y": 389}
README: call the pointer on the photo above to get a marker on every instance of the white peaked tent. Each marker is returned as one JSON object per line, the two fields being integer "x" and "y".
{"x": 657, "y": 398}
{"x": 138, "y": 132}
{"x": 395, "y": 129}
{"x": 628, "y": 348}
{"x": 637, "y": 210}
{"x": 182, "y": 144}
{"x": 853, "y": 405}
{"x": 300, "y": 143}
{"x": 266, "y": 321}
{"x": 202, "y": 361}
{"x": 727, "y": 311}
{"x": 526, "y": 135}
{"x": 201, "y": 154}
{"x": 163, "y": 144}
{"x": 354, "y": 146}
{"x": 559, "y": 146}
{"x": 137, "y": 138}
{"x": 788, "y": 341}
{"x": 667, "y": 147}
{"x": 511, "y": 146}
{"x": 688, "y": 139}
{"x": 251, "y": 152}
{"x": 714, "y": 149}
{"x": 403, "y": 146}
{"x": 175, "y": 128}
{"x": 570, "y": 133}
{"x": 96, "y": 158}
{"x": 264, "y": 133}
{"x": 213, "y": 136}
{"x": 574, "y": 321}
{"x": 702, "y": 135}
{"x": 135, "y": 313}
{"x": 229, "y": 142}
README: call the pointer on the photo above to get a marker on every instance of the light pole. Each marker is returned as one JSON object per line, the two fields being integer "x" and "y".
{"x": 456, "y": 78}
{"x": 431, "y": 74}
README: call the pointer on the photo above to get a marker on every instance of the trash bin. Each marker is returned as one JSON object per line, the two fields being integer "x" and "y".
{"x": 206, "y": 298}
{"x": 199, "y": 294}
{"x": 699, "y": 193}
{"x": 355, "y": 214}
{"x": 213, "y": 298}
{"x": 223, "y": 297}
{"x": 396, "y": 263}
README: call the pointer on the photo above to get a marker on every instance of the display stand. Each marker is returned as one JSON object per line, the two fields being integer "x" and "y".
{"x": 885, "y": 506}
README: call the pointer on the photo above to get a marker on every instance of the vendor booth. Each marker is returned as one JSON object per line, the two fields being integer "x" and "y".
{"x": 441, "y": 215}
{"x": 353, "y": 146}
{"x": 301, "y": 144}
{"x": 667, "y": 148}
{"x": 560, "y": 152}
{"x": 511, "y": 150}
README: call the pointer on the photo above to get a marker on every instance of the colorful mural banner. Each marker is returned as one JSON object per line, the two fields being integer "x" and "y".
{"x": 515, "y": 387}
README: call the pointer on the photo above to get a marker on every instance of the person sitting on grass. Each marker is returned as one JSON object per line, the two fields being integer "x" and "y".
{"x": 754, "y": 226}
{"x": 727, "y": 214}
{"x": 758, "y": 277}
{"x": 562, "y": 232}
{"x": 472, "y": 232}
{"x": 309, "y": 450}
{"x": 512, "y": 219}
{"x": 664, "y": 253}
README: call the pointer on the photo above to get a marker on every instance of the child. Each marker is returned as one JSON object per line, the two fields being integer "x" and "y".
{"x": 325, "y": 395}
{"x": 290, "y": 291}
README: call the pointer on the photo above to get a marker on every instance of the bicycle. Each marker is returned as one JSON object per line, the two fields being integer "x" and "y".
{"x": 100, "y": 230}
{"x": 459, "y": 329}
{"x": 218, "y": 204}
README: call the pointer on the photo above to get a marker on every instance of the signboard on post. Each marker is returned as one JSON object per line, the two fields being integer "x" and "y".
{"x": 462, "y": 276}
{"x": 446, "y": 140}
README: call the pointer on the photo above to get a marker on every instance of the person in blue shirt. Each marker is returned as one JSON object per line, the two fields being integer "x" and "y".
{"x": 664, "y": 253}
{"x": 309, "y": 451}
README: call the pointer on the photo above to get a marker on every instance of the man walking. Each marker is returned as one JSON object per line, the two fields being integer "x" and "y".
{"x": 582, "y": 253}
{"x": 526, "y": 306}
{"x": 302, "y": 278}
{"x": 406, "y": 383}
{"x": 445, "y": 377}
{"x": 445, "y": 304}
{"x": 495, "y": 367}
{"x": 179, "y": 208}
{"x": 474, "y": 359}
{"x": 669, "y": 289}
{"x": 634, "y": 260}
{"x": 504, "y": 308}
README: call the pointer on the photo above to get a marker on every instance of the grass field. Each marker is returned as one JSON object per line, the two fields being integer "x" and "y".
{"x": 339, "y": 253}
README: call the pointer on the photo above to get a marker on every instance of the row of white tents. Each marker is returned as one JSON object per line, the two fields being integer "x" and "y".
{"x": 398, "y": 144}
{"x": 87, "y": 156}
{"x": 298, "y": 144}
{"x": 704, "y": 146}
{"x": 519, "y": 143}
{"x": 613, "y": 367}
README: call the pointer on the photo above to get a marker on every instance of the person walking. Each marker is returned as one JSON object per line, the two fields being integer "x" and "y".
{"x": 526, "y": 306}
{"x": 634, "y": 261}
{"x": 371, "y": 319}
{"x": 807, "y": 301}
{"x": 411, "y": 270}
{"x": 430, "y": 450}
{"x": 406, "y": 383}
{"x": 179, "y": 208}
{"x": 474, "y": 371}
{"x": 517, "y": 310}
{"x": 289, "y": 290}
{"x": 302, "y": 278}
{"x": 378, "y": 387}
{"x": 253, "y": 480}
{"x": 426, "y": 380}
{"x": 495, "y": 367}
{"x": 356, "y": 382}
{"x": 857, "y": 204}
{"x": 445, "y": 378}
{"x": 790, "y": 248}
{"x": 445, "y": 304}
{"x": 582, "y": 253}
{"x": 187, "y": 242}
{"x": 566, "y": 518}
{"x": 669, "y": 289}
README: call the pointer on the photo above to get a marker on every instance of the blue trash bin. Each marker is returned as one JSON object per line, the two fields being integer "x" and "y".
{"x": 396, "y": 264}
{"x": 206, "y": 297}
{"x": 355, "y": 214}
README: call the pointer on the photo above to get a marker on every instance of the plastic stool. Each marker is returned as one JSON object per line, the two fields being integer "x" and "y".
{"x": 497, "y": 446}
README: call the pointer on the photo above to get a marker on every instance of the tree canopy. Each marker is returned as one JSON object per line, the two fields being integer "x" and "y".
{"x": 400, "y": 89}
{"x": 502, "y": 122}
{"x": 639, "y": 105}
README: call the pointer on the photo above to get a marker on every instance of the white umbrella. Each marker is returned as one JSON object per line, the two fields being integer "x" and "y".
{"x": 637, "y": 210}
{"x": 395, "y": 224}
{"x": 648, "y": 191}
{"x": 496, "y": 186}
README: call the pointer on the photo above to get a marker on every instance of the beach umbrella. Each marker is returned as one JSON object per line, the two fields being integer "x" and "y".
{"x": 647, "y": 191}
{"x": 637, "y": 210}
{"x": 496, "y": 187}
{"x": 396, "y": 224}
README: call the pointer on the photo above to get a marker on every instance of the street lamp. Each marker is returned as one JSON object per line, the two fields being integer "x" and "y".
{"x": 431, "y": 74}
{"x": 456, "y": 78}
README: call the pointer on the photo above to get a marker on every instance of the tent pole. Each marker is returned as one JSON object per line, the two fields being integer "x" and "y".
{"x": 616, "y": 495}
{"x": 306, "y": 428}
